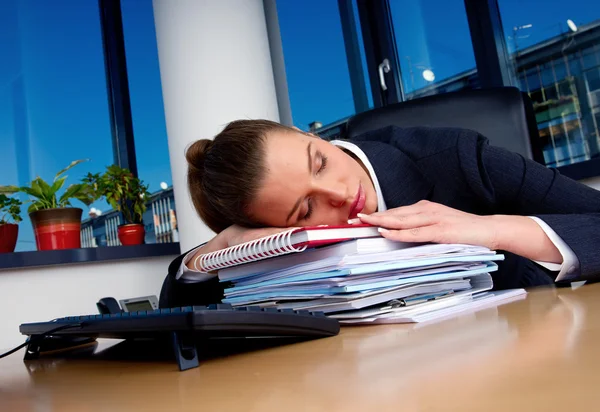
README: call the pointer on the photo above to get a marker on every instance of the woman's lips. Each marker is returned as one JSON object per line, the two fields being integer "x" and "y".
{"x": 358, "y": 204}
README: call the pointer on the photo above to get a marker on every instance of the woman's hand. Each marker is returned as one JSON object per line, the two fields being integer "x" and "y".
{"x": 432, "y": 222}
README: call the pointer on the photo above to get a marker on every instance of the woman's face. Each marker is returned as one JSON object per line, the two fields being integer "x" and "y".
{"x": 310, "y": 182}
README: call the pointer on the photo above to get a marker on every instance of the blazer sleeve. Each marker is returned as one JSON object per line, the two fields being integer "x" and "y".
{"x": 177, "y": 292}
{"x": 511, "y": 184}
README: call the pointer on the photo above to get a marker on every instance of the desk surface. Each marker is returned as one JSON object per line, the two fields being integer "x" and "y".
{"x": 541, "y": 353}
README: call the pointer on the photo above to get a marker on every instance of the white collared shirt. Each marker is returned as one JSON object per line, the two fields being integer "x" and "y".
{"x": 566, "y": 270}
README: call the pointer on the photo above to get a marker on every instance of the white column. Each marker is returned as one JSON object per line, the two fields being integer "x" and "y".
{"x": 278, "y": 62}
{"x": 215, "y": 67}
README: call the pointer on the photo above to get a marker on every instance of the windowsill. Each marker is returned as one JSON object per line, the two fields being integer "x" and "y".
{"x": 85, "y": 255}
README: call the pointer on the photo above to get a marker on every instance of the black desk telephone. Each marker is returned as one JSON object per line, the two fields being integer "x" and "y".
{"x": 108, "y": 306}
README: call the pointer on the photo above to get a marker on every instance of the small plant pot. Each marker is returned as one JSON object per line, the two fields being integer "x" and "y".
{"x": 131, "y": 234}
{"x": 8, "y": 237}
{"x": 57, "y": 228}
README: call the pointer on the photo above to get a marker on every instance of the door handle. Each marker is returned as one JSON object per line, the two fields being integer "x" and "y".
{"x": 383, "y": 68}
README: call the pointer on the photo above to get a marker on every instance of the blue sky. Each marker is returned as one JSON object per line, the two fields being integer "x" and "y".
{"x": 53, "y": 101}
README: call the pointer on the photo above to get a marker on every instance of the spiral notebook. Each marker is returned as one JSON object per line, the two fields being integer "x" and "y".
{"x": 290, "y": 241}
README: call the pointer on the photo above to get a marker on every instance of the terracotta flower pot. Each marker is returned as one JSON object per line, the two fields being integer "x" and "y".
{"x": 131, "y": 234}
{"x": 8, "y": 237}
{"x": 57, "y": 228}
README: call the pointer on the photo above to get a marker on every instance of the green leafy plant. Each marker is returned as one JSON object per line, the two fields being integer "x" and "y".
{"x": 44, "y": 195}
{"x": 10, "y": 208}
{"x": 124, "y": 192}
{"x": 91, "y": 189}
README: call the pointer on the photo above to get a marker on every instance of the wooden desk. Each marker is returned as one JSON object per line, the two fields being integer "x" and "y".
{"x": 538, "y": 354}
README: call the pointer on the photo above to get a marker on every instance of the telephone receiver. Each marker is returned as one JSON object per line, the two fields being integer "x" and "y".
{"x": 108, "y": 306}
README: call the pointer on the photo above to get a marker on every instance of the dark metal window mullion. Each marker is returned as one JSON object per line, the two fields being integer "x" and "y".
{"x": 380, "y": 44}
{"x": 357, "y": 81}
{"x": 494, "y": 67}
{"x": 117, "y": 84}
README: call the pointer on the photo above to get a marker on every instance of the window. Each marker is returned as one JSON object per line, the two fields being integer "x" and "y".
{"x": 593, "y": 79}
{"x": 557, "y": 50}
{"x": 316, "y": 65}
{"x": 53, "y": 99}
{"x": 433, "y": 46}
{"x": 54, "y": 108}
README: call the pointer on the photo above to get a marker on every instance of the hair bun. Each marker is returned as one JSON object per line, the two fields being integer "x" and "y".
{"x": 196, "y": 154}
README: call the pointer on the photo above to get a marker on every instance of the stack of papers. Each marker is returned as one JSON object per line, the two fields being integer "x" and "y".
{"x": 371, "y": 281}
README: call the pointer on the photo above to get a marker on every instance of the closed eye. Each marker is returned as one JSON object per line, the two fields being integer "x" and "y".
{"x": 320, "y": 170}
{"x": 309, "y": 210}
{"x": 323, "y": 163}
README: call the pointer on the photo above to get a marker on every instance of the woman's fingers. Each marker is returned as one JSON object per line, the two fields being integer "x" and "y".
{"x": 424, "y": 206}
{"x": 415, "y": 234}
{"x": 399, "y": 221}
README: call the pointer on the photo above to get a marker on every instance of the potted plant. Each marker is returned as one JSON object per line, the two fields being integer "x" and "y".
{"x": 10, "y": 209}
{"x": 56, "y": 223}
{"x": 126, "y": 194}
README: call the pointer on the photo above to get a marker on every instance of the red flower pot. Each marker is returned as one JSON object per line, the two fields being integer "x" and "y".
{"x": 57, "y": 228}
{"x": 131, "y": 234}
{"x": 8, "y": 237}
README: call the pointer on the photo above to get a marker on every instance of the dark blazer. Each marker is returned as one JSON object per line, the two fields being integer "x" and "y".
{"x": 459, "y": 169}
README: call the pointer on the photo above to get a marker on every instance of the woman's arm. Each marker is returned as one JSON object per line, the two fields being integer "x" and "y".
{"x": 216, "y": 243}
{"x": 524, "y": 237}
{"x": 523, "y": 187}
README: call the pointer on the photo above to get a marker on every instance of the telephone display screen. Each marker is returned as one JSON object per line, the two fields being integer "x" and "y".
{"x": 137, "y": 306}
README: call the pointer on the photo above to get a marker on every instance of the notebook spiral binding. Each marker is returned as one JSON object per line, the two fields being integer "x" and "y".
{"x": 266, "y": 247}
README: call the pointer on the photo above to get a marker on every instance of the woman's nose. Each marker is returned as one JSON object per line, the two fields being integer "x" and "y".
{"x": 336, "y": 194}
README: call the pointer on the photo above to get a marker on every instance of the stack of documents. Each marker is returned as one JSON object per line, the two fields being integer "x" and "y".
{"x": 370, "y": 281}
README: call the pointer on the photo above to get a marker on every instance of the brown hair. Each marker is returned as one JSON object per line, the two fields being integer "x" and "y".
{"x": 224, "y": 174}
